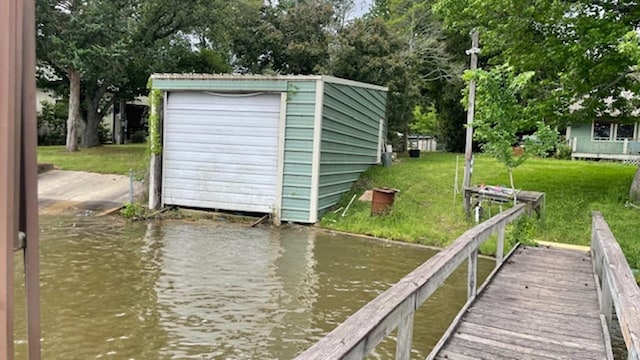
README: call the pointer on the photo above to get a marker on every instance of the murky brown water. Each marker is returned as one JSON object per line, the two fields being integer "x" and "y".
{"x": 211, "y": 290}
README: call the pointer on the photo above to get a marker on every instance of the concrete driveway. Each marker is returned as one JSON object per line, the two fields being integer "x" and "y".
{"x": 79, "y": 192}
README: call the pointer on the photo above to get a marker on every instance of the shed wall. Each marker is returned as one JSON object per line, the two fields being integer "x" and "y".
{"x": 298, "y": 151}
{"x": 350, "y": 138}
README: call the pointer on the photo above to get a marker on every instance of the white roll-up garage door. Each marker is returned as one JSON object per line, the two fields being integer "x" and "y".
{"x": 221, "y": 151}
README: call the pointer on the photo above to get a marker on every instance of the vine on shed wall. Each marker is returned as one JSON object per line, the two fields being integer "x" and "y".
{"x": 155, "y": 97}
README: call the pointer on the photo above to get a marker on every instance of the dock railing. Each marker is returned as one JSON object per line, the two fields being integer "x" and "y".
{"x": 395, "y": 308}
{"x": 618, "y": 288}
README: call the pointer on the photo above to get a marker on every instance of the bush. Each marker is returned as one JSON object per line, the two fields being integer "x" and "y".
{"x": 52, "y": 123}
{"x": 563, "y": 151}
{"x": 133, "y": 211}
{"x": 139, "y": 137}
{"x": 104, "y": 134}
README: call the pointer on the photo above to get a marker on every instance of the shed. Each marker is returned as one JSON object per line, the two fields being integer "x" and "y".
{"x": 288, "y": 146}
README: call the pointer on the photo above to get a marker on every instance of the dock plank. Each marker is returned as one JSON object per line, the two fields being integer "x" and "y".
{"x": 542, "y": 304}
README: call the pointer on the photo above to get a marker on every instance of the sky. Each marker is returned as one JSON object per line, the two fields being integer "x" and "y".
{"x": 362, "y": 7}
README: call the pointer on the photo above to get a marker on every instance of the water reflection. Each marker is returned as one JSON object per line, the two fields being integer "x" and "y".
{"x": 210, "y": 290}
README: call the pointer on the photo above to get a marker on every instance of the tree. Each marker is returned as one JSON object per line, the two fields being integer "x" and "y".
{"x": 368, "y": 51}
{"x": 569, "y": 44}
{"x": 424, "y": 120}
{"x": 428, "y": 63}
{"x": 502, "y": 114}
{"x": 291, "y": 37}
{"x": 631, "y": 47}
{"x": 84, "y": 41}
{"x": 106, "y": 49}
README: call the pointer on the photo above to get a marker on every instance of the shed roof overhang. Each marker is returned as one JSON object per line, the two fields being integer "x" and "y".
{"x": 189, "y": 81}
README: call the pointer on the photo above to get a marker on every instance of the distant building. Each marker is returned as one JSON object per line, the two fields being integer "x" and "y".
{"x": 425, "y": 143}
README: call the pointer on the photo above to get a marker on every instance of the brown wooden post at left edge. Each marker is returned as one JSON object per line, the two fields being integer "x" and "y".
{"x": 8, "y": 175}
{"x": 29, "y": 181}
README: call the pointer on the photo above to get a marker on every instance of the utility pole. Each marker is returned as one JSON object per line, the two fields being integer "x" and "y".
{"x": 468, "y": 153}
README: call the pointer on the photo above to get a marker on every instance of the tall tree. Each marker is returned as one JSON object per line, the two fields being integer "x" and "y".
{"x": 290, "y": 37}
{"x": 84, "y": 41}
{"x": 106, "y": 49}
{"x": 569, "y": 44}
{"x": 368, "y": 50}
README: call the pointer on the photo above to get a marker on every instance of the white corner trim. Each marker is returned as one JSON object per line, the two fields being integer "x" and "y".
{"x": 380, "y": 140}
{"x": 282, "y": 125}
{"x": 317, "y": 140}
{"x": 162, "y": 118}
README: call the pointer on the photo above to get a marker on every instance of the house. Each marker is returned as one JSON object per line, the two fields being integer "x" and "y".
{"x": 605, "y": 139}
{"x": 289, "y": 146}
{"x": 607, "y": 136}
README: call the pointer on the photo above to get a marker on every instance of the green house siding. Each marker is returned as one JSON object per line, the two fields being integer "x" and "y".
{"x": 349, "y": 142}
{"x": 584, "y": 144}
{"x": 298, "y": 151}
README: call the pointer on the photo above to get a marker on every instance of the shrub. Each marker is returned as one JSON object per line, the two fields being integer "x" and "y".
{"x": 133, "y": 211}
{"x": 139, "y": 137}
{"x": 104, "y": 134}
{"x": 52, "y": 123}
{"x": 563, "y": 151}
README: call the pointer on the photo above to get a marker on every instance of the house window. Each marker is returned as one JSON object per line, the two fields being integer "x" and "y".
{"x": 601, "y": 131}
{"x": 625, "y": 131}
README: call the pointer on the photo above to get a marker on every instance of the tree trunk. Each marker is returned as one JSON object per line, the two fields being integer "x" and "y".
{"x": 74, "y": 116}
{"x": 90, "y": 136}
{"x": 634, "y": 191}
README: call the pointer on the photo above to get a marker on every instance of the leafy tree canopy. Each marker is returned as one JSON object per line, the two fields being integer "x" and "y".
{"x": 571, "y": 46}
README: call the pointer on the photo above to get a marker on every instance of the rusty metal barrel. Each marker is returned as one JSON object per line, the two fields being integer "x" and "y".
{"x": 382, "y": 200}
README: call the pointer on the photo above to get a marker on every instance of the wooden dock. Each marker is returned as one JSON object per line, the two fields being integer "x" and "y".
{"x": 538, "y": 303}
{"x": 542, "y": 304}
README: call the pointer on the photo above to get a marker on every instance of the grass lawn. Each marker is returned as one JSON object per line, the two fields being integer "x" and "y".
{"x": 106, "y": 159}
{"x": 424, "y": 211}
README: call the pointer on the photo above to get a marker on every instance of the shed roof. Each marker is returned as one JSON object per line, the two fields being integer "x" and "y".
{"x": 253, "y": 77}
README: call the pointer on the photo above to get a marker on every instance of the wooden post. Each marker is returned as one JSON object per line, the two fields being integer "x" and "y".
{"x": 29, "y": 180}
{"x": 405, "y": 338}
{"x": 8, "y": 175}
{"x": 500, "y": 244}
{"x": 468, "y": 153}
{"x": 472, "y": 274}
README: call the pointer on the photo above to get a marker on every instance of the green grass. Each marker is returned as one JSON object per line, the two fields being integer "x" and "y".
{"x": 424, "y": 211}
{"x": 106, "y": 159}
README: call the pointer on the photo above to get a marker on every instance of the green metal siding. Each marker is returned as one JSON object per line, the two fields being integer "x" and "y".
{"x": 298, "y": 151}
{"x": 349, "y": 146}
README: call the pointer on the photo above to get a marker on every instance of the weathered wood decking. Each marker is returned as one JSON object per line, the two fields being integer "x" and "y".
{"x": 539, "y": 303}
{"x": 543, "y": 304}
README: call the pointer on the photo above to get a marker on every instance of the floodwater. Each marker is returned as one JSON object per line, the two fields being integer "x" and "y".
{"x": 214, "y": 290}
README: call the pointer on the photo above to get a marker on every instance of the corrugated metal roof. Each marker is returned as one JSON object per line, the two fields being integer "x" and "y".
{"x": 253, "y": 77}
